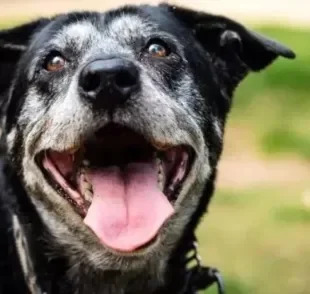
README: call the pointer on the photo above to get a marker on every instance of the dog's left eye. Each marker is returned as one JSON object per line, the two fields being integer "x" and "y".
{"x": 158, "y": 49}
{"x": 54, "y": 62}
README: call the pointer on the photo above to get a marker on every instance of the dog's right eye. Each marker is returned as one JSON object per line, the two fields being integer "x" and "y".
{"x": 158, "y": 48}
{"x": 54, "y": 62}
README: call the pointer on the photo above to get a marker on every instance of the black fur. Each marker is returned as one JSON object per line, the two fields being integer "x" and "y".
{"x": 213, "y": 52}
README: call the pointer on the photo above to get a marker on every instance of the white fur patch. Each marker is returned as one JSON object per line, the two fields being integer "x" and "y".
{"x": 128, "y": 27}
{"x": 78, "y": 34}
{"x": 14, "y": 47}
{"x": 217, "y": 128}
{"x": 11, "y": 138}
{"x": 24, "y": 257}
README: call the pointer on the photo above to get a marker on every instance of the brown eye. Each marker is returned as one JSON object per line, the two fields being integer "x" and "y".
{"x": 158, "y": 50}
{"x": 54, "y": 62}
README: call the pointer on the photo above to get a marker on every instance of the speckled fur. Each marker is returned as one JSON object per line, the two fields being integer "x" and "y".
{"x": 183, "y": 99}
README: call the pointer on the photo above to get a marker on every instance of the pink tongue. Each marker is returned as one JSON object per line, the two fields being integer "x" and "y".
{"x": 128, "y": 209}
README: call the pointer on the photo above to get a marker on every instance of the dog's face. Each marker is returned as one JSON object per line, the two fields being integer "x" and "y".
{"x": 115, "y": 121}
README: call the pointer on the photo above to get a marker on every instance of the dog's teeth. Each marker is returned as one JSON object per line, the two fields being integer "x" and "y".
{"x": 86, "y": 162}
{"x": 160, "y": 174}
{"x": 88, "y": 195}
{"x": 88, "y": 186}
{"x": 158, "y": 162}
{"x": 170, "y": 192}
{"x": 86, "y": 183}
{"x": 87, "y": 191}
{"x": 73, "y": 149}
{"x": 161, "y": 182}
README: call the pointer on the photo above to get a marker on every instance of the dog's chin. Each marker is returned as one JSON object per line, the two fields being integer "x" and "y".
{"x": 122, "y": 186}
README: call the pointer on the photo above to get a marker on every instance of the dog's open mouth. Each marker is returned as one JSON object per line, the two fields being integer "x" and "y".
{"x": 123, "y": 186}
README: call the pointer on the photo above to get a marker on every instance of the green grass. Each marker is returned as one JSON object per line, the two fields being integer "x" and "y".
{"x": 275, "y": 103}
{"x": 286, "y": 140}
{"x": 292, "y": 215}
{"x": 259, "y": 239}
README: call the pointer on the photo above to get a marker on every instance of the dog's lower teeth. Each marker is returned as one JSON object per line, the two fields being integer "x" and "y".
{"x": 160, "y": 174}
{"x": 88, "y": 195}
{"x": 87, "y": 186}
{"x": 170, "y": 192}
{"x": 73, "y": 149}
{"x": 87, "y": 190}
{"x": 86, "y": 163}
{"x": 161, "y": 182}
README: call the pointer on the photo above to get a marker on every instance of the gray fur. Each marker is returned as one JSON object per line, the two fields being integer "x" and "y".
{"x": 191, "y": 112}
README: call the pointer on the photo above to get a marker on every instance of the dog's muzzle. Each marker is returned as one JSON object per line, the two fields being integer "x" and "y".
{"x": 120, "y": 183}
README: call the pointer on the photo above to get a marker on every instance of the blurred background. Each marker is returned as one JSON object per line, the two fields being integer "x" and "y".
{"x": 258, "y": 227}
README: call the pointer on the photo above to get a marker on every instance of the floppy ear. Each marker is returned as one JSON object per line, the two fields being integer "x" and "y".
{"x": 13, "y": 42}
{"x": 227, "y": 41}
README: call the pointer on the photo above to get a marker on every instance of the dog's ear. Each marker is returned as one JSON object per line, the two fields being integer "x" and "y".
{"x": 230, "y": 42}
{"x": 13, "y": 42}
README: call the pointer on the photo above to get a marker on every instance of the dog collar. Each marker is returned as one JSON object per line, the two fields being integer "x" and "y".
{"x": 199, "y": 277}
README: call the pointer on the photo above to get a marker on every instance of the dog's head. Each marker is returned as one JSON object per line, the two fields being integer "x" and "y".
{"x": 115, "y": 121}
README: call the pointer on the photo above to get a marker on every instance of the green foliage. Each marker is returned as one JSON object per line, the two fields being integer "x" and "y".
{"x": 286, "y": 140}
{"x": 292, "y": 215}
{"x": 275, "y": 103}
{"x": 259, "y": 240}
{"x": 235, "y": 286}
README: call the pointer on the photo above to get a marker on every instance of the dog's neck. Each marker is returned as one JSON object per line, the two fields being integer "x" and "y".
{"x": 54, "y": 275}
{"x": 59, "y": 279}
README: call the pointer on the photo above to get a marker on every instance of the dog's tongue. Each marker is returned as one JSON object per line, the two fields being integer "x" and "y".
{"x": 128, "y": 208}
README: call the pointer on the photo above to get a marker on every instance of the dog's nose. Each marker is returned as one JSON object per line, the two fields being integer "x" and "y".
{"x": 109, "y": 82}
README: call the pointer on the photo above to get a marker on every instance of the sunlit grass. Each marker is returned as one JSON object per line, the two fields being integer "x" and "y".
{"x": 260, "y": 240}
{"x": 275, "y": 103}
{"x": 293, "y": 215}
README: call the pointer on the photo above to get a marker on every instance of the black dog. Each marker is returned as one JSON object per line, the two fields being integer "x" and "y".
{"x": 112, "y": 130}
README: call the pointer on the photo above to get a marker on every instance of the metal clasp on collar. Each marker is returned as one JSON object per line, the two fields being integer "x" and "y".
{"x": 199, "y": 277}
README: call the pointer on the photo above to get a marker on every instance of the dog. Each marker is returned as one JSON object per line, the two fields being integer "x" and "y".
{"x": 112, "y": 129}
